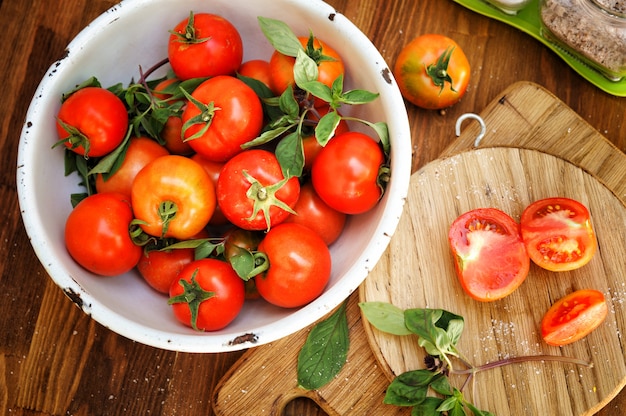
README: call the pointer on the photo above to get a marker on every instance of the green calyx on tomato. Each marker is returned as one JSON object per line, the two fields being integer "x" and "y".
{"x": 264, "y": 198}
{"x": 189, "y": 35}
{"x": 438, "y": 71}
{"x": 193, "y": 295}
{"x": 207, "y": 112}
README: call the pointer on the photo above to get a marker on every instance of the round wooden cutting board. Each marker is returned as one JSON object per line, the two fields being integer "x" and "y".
{"x": 417, "y": 271}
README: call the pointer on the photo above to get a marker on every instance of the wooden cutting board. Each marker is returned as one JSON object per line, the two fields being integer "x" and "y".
{"x": 534, "y": 147}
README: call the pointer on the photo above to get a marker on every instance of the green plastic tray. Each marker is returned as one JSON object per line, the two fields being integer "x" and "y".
{"x": 527, "y": 20}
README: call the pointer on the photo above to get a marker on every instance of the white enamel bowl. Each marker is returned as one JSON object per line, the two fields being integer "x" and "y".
{"x": 112, "y": 47}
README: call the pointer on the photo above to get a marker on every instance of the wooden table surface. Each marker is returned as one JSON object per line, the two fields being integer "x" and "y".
{"x": 55, "y": 360}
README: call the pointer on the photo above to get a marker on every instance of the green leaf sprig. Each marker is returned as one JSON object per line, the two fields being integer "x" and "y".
{"x": 325, "y": 351}
{"x": 428, "y": 391}
{"x": 288, "y": 120}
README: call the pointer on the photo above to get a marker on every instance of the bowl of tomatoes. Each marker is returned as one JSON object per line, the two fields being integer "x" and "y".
{"x": 71, "y": 186}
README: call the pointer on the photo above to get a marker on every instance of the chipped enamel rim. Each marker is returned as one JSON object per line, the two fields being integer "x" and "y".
{"x": 112, "y": 47}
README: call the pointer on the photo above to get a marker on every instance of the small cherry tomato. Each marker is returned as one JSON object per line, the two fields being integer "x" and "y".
{"x": 172, "y": 136}
{"x": 258, "y": 69}
{"x": 204, "y": 45}
{"x": 228, "y": 113}
{"x": 140, "y": 152}
{"x": 558, "y": 234}
{"x": 346, "y": 173}
{"x": 207, "y": 295}
{"x": 159, "y": 268}
{"x": 252, "y": 192}
{"x": 299, "y": 266}
{"x": 432, "y": 71}
{"x": 92, "y": 122}
{"x": 329, "y": 64}
{"x": 489, "y": 255}
{"x": 173, "y": 196}
{"x": 573, "y": 317}
{"x": 97, "y": 234}
{"x": 315, "y": 214}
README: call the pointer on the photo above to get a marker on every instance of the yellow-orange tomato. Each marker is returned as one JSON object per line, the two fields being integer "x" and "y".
{"x": 173, "y": 196}
{"x": 432, "y": 72}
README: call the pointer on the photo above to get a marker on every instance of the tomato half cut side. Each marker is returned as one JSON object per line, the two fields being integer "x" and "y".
{"x": 558, "y": 234}
{"x": 573, "y": 317}
{"x": 490, "y": 257}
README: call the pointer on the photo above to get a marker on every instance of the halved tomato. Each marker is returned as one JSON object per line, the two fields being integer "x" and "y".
{"x": 558, "y": 234}
{"x": 490, "y": 257}
{"x": 573, "y": 317}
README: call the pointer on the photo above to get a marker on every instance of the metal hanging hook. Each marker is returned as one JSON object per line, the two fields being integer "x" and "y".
{"x": 483, "y": 128}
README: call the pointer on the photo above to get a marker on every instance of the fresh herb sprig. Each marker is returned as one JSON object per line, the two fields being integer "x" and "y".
{"x": 428, "y": 391}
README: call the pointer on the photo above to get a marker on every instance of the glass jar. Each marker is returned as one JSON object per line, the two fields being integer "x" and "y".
{"x": 509, "y": 6}
{"x": 592, "y": 30}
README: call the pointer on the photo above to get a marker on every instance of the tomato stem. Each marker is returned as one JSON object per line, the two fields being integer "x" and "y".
{"x": 167, "y": 212}
{"x": 438, "y": 72}
{"x": 264, "y": 198}
{"x": 193, "y": 294}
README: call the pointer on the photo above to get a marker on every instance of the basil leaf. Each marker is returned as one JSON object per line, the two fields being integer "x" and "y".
{"x": 358, "y": 97}
{"x": 290, "y": 155}
{"x": 325, "y": 351}
{"x": 385, "y": 317}
{"x": 442, "y": 385}
{"x": 428, "y": 407}
{"x": 326, "y": 127}
{"x": 280, "y": 36}
{"x": 318, "y": 89}
{"x": 304, "y": 69}
{"x": 409, "y": 388}
{"x": 111, "y": 162}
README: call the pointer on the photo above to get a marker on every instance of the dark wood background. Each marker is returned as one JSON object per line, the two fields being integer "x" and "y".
{"x": 55, "y": 360}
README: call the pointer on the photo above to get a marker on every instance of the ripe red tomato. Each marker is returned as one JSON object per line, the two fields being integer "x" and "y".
{"x": 174, "y": 197}
{"x": 315, "y": 214}
{"x": 258, "y": 69}
{"x": 252, "y": 192}
{"x": 558, "y": 234}
{"x": 204, "y": 45}
{"x": 213, "y": 169}
{"x": 207, "y": 295}
{"x": 97, "y": 234}
{"x": 235, "y": 115}
{"x": 345, "y": 173}
{"x": 573, "y": 317}
{"x": 489, "y": 256}
{"x": 299, "y": 266}
{"x": 92, "y": 121}
{"x": 432, "y": 71}
{"x": 140, "y": 152}
{"x": 281, "y": 66}
{"x": 160, "y": 268}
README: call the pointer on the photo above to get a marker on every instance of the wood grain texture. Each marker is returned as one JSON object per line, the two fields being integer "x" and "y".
{"x": 55, "y": 360}
{"x": 417, "y": 270}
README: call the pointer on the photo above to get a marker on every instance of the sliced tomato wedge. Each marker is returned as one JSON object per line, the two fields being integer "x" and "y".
{"x": 490, "y": 256}
{"x": 558, "y": 234}
{"x": 573, "y": 317}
